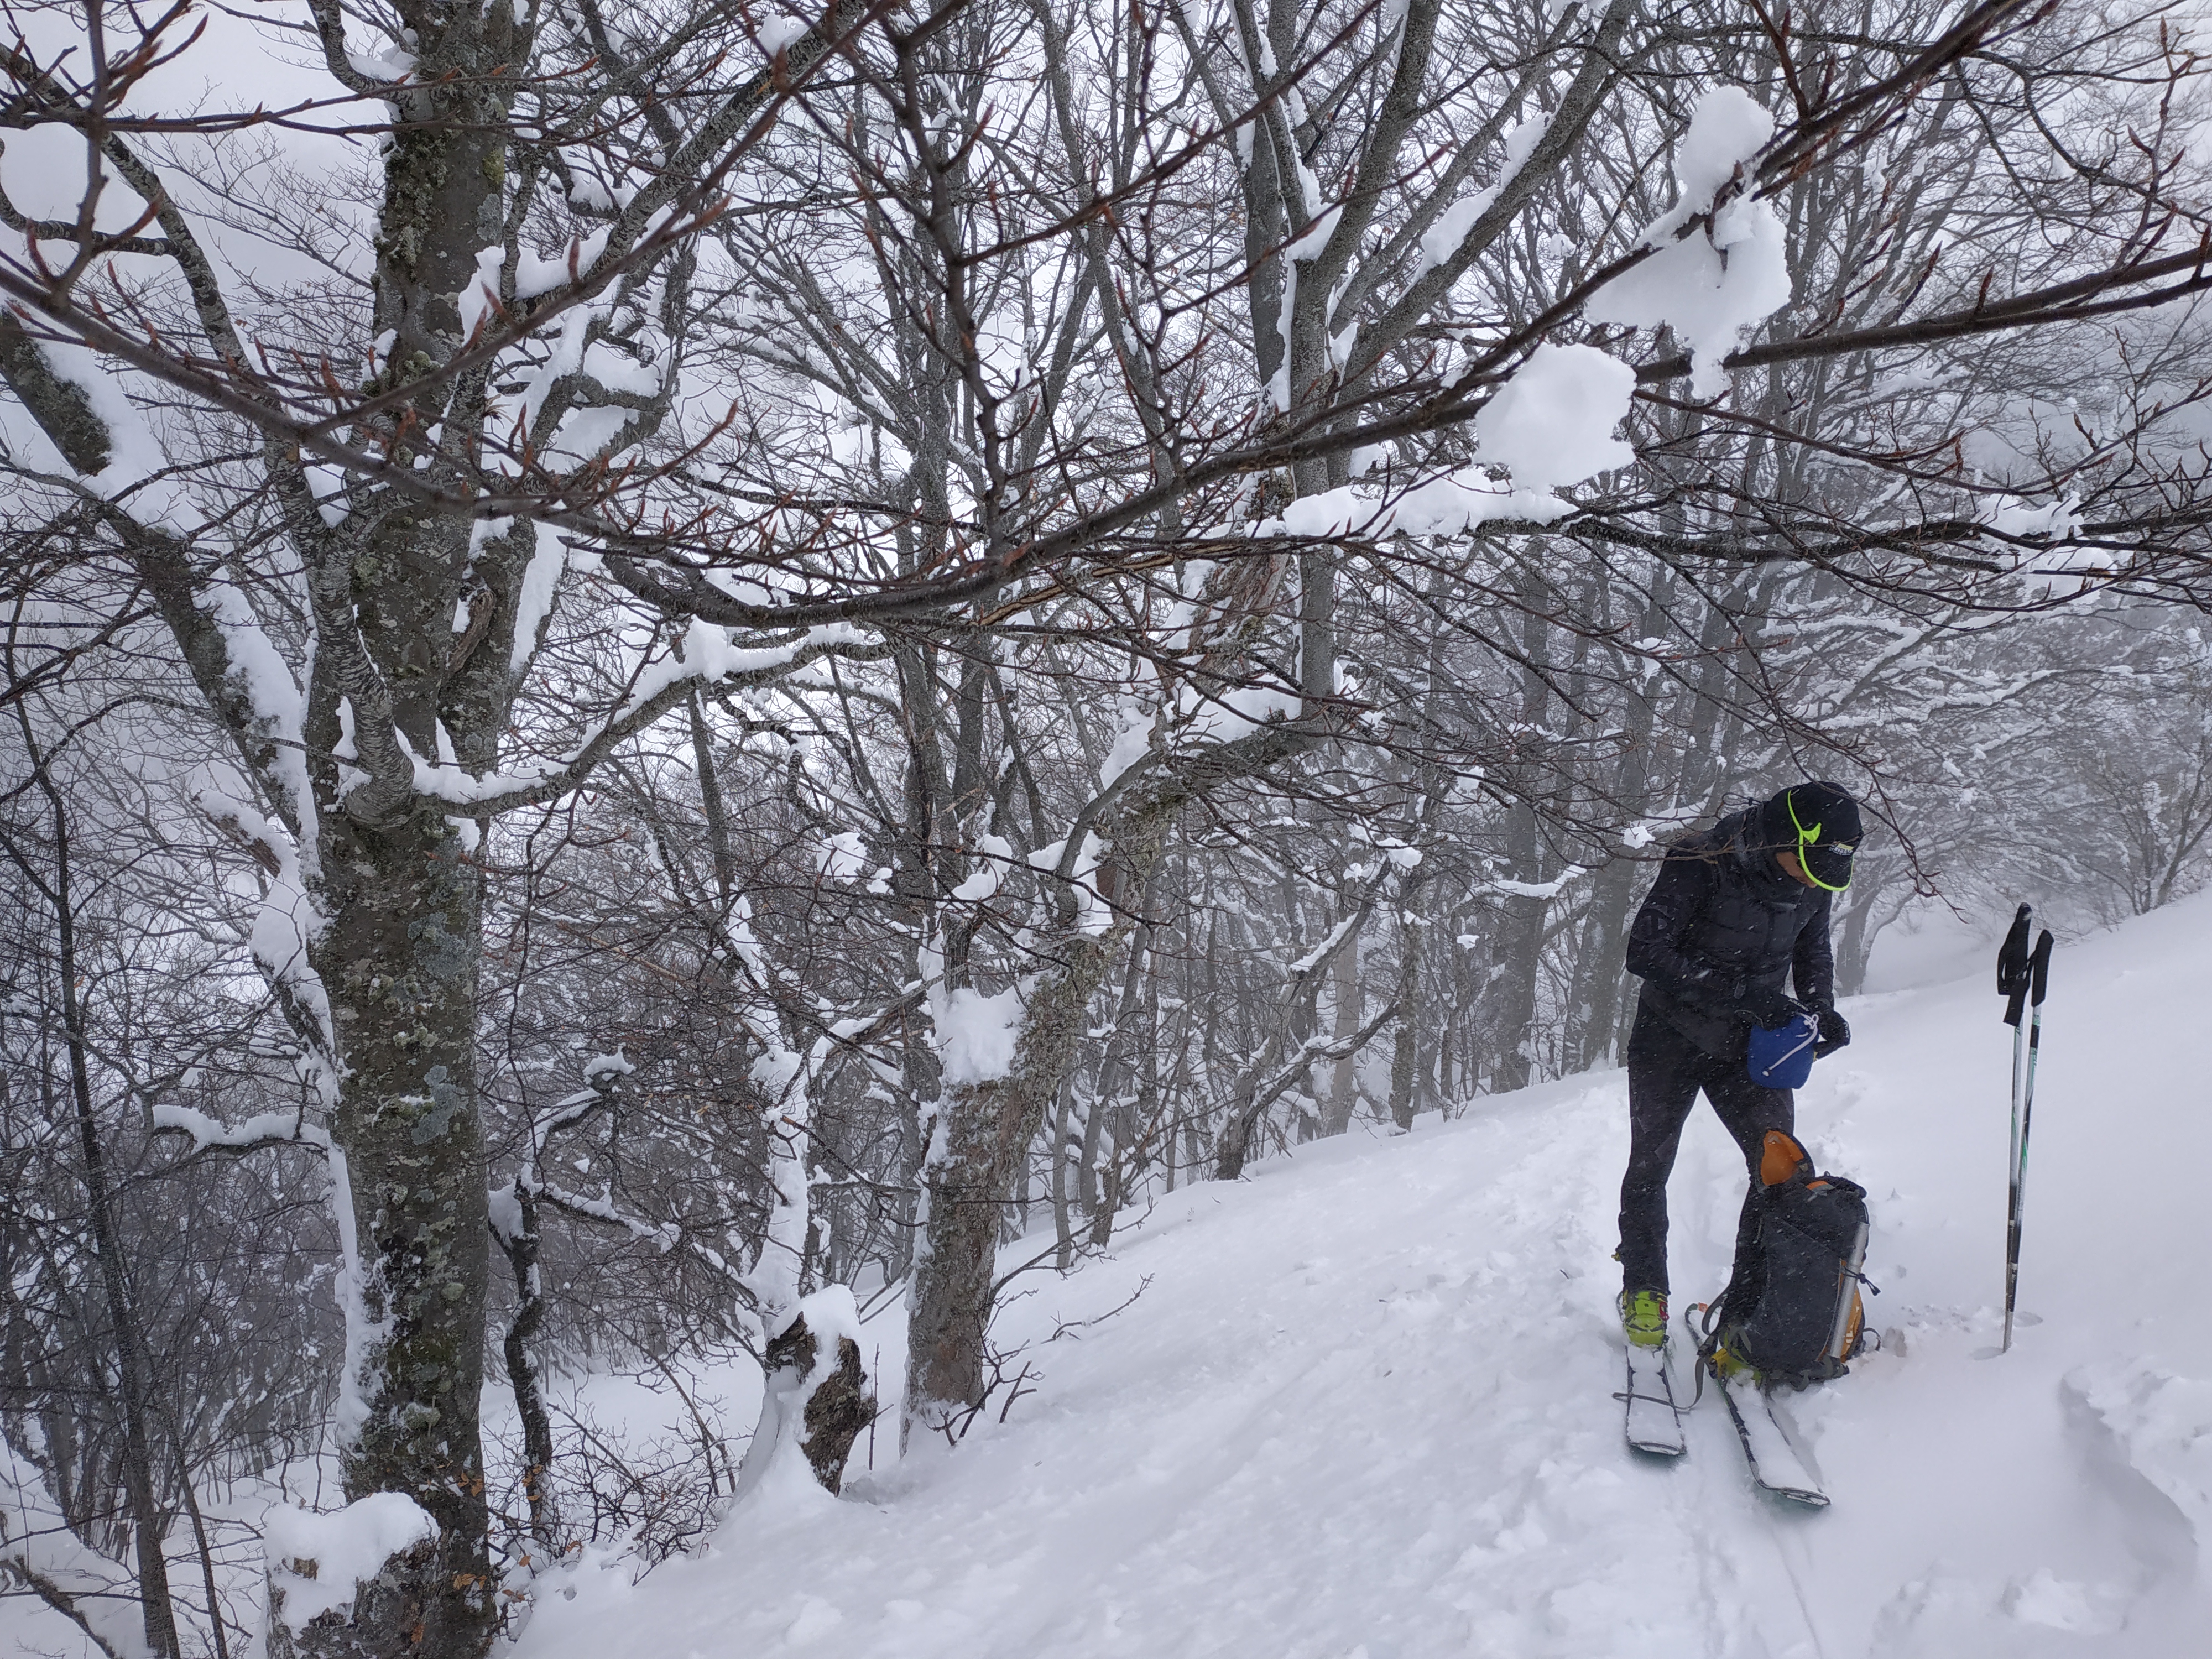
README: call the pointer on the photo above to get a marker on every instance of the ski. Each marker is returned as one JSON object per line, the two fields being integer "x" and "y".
{"x": 1775, "y": 1463}
{"x": 1654, "y": 1422}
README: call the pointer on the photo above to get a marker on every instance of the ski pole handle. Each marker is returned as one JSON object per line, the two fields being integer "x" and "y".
{"x": 2040, "y": 969}
{"x": 2013, "y": 968}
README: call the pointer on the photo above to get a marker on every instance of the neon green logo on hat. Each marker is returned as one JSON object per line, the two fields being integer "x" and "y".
{"x": 1807, "y": 839}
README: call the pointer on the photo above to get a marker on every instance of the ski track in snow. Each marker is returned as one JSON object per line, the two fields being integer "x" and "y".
{"x": 1364, "y": 1409}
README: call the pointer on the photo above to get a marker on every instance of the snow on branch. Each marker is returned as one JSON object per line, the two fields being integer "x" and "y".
{"x": 1552, "y": 424}
{"x": 1536, "y": 889}
{"x": 1267, "y": 1089}
{"x": 1317, "y": 1049}
{"x": 706, "y": 659}
{"x": 602, "y": 1077}
{"x": 1327, "y": 948}
{"x": 210, "y": 1134}
{"x": 665, "y": 1233}
{"x": 1712, "y": 288}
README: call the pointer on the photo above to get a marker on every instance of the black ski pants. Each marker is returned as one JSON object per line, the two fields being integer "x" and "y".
{"x": 1666, "y": 1071}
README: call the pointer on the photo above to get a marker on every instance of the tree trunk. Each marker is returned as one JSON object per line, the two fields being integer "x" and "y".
{"x": 522, "y": 1247}
{"x": 217, "y": 1630}
{"x": 1234, "y": 1150}
{"x": 147, "y": 1521}
{"x": 983, "y": 1127}
{"x": 1405, "y": 1050}
{"x": 818, "y": 1397}
{"x": 1854, "y": 943}
{"x": 399, "y": 961}
{"x": 1063, "y": 1221}
{"x": 1519, "y": 952}
{"x": 1108, "y": 1137}
{"x": 1602, "y": 969}
{"x": 1343, "y": 1081}
{"x": 1521, "y": 931}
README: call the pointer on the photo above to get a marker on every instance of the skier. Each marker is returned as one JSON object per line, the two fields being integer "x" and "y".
{"x": 1736, "y": 911}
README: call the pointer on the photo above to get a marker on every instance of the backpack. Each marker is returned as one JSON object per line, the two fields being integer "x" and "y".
{"x": 1793, "y": 1310}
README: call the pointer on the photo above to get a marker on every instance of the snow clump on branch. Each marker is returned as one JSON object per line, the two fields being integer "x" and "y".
{"x": 1711, "y": 288}
{"x": 1552, "y": 423}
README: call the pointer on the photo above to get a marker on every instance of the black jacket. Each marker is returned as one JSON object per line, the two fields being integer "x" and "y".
{"x": 1721, "y": 919}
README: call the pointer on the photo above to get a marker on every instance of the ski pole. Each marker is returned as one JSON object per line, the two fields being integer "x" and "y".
{"x": 2021, "y": 979}
{"x": 2039, "y": 972}
{"x": 2012, "y": 984}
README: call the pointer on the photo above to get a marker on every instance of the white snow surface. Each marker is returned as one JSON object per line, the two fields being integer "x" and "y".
{"x": 1363, "y": 1407}
{"x": 35, "y": 1539}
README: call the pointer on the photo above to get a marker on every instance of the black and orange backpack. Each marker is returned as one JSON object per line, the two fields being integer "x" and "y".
{"x": 1792, "y": 1311}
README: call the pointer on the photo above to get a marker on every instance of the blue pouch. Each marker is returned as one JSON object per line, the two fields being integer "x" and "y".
{"x": 1781, "y": 1058}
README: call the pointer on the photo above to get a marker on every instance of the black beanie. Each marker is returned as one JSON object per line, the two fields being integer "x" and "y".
{"x": 1818, "y": 820}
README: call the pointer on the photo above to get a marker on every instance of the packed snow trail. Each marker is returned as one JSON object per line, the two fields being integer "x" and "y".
{"x": 1362, "y": 1408}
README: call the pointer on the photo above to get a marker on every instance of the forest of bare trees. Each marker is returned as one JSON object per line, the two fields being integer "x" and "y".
{"x": 676, "y": 674}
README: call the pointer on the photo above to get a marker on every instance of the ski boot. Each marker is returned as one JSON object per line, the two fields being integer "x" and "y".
{"x": 1644, "y": 1317}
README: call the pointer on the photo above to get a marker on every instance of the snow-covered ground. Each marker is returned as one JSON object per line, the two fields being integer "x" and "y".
{"x": 1362, "y": 1409}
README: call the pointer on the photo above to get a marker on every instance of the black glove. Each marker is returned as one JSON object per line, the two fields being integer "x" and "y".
{"x": 1835, "y": 1033}
{"x": 1767, "y": 1008}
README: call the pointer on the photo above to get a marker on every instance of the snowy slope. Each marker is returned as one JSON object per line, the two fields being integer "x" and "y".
{"x": 1362, "y": 1410}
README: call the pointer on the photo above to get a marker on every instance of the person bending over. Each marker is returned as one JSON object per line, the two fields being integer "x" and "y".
{"x": 1739, "y": 911}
